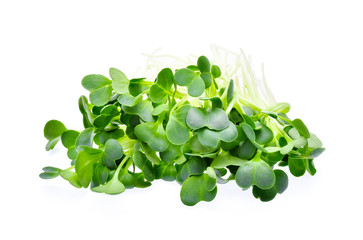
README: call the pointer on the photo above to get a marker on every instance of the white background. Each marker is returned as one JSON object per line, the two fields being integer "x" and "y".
{"x": 313, "y": 56}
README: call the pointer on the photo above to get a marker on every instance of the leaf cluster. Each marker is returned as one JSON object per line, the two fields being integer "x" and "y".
{"x": 189, "y": 125}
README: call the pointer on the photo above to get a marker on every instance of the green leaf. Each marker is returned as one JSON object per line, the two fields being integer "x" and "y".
{"x": 71, "y": 177}
{"x": 99, "y": 87}
{"x": 104, "y": 136}
{"x": 69, "y": 138}
{"x": 224, "y": 160}
{"x": 114, "y": 186}
{"x": 153, "y": 134}
{"x": 177, "y": 131}
{"x": 203, "y": 64}
{"x": 249, "y": 132}
{"x": 255, "y": 172}
{"x": 144, "y": 165}
{"x": 51, "y": 169}
{"x": 211, "y": 139}
{"x": 113, "y": 151}
{"x": 227, "y": 146}
{"x": 198, "y": 188}
{"x": 196, "y": 87}
{"x": 299, "y": 142}
{"x": 162, "y": 108}
{"x": 280, "y": 186}
{"x": 197, "y": 147}
{"x": 316, "y": 152}
{"x": 150, "y": 153}
{"x": 162, "y": 88}
{"x": 245, "y": 149}
{"x": 137, "y": 86}
{"x": 190, "y": 79}
{"x": 216, "y": 71}
{"x": 144, "y": 109}
{"x": 264, "y": 135}
{"x": 84, "y": 108}
{"x": 184, "y": 76}
{"x": 216, "y": 101}
{"x": 230, "y": 91}
{"x": 95, "y": 81}
{"x": 301, "y": 128}
{"x": 84, "y": 166}
{"x": 172, "y": 153}
{"x": 297, "y": 166}
{"x": 48, "y": 175}
{"x": 310, "y": 167}
{"x": 207, "y": 78}
{"x": 85, "y": 138}
{"x": 106, "y": 115}
{"x": 129, "y": 100}
{"x": 120, "y": 83}
{"x": 314, "y": 141}
{"x": 287, "y": 148}
{"x": 215, "y": 118}
{"x": 53, "y": 130}
{"x": 165, "y": 171}
{"x": 193, "y": 166}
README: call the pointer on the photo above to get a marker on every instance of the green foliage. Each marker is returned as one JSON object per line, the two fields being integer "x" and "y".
{"x": 162, "y": 88}
{"x": 190, "y": 125}
{"x": 53, "y": 131}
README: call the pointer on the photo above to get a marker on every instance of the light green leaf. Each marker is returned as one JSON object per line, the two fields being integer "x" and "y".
{"x": 162, "y": 88}
{"x": 224, "y": 160}
{"x": 177, "y": 131}
{"x": 120, "y": 83}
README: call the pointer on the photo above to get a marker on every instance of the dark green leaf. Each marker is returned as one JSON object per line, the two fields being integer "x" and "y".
{"x": 230, "y": 91}
{"x": 207, "y": 78}
{"x": 249, "y": 132}
{"x": 216, "y": 71}
{"x": 198, "y": 188}
{"x": 255, "y": 172}
{"x": 280, "y": 186}
{"x": 301, "y": 128}
{"x": 165, "y": 171}
{"x": 144, "y": 165}
{"x": 85, "y": 110}
{"x": 48, "y": 175}
{"x": 203, "y": 64}
{"x": 193, "y": 166}
{"x": 69, "y": 138}
{"x": 297, "y": 166}
{"x": 211, "y": 139}
{"x": 264, "y": 135}
{"x": 113, "y": 151}
{"x": 114, "y": 186}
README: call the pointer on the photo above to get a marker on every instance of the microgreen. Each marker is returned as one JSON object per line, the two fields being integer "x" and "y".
{"x": 189, "y": 125}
